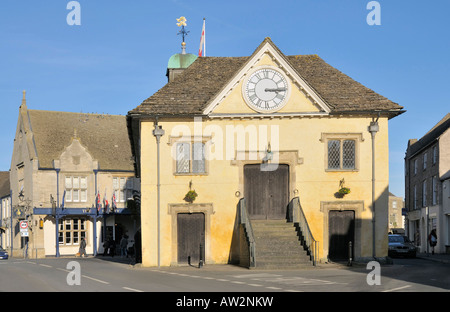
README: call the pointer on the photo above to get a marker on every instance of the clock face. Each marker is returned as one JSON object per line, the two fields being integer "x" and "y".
{"x": 266, "y": 90}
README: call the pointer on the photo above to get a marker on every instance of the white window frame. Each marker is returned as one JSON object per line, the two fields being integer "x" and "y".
{"x": 76, "y": 189}
{"x": 123, "y": 188}
{"x": 71, "y": 230}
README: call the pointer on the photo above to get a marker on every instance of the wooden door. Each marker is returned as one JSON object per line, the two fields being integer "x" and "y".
{"x": 266, "y": 192}
{"x": 191, "y": 237}
{"x": 341, "y": 231}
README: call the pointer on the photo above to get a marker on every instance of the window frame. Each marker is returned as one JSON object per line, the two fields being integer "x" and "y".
{"x": 435, "y": 190}
{"x": 357, "y": 138}
{"x": 416, "y": 166}
{"x": 435, "y": 155}
{"x": 425, "y": 160}
{"x": 415, "y": 199}
{"x": 191, "y": 142}
{"x": 68, "y": 230}
{"x": 124, "y": 190}
{"x": 79, "y": 190}
{"x": 424, "y": 193}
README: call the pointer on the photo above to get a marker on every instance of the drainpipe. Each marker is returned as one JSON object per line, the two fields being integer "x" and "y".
{"x": 373, "y": 129}
{"x": 95, "y": 214}
{"x": 158, "y": 132}
{"x": 11, "y": 237}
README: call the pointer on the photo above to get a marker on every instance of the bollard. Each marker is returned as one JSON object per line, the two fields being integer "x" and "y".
{"x": 200, "y": 262}
{"x": 349, "y": 254}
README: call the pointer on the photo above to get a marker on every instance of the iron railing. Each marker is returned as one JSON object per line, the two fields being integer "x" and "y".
{"x": 297, "y": 216}
{"x": 245, "y": 221}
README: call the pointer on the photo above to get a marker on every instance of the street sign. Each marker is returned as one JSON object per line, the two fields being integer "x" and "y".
{"x": 24, "y": 225}
{"x": 23, "y": 228}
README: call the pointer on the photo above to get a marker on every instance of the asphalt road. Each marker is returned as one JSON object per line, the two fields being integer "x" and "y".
{"x": 102, "y": 275}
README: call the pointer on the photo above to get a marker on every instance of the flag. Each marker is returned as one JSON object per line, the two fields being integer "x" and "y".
{"x": 202, "y": 49}
{"x": 114, "y": 203}
{"x": 63, "y": 199}
{"x": 98, "y": 201}
{"x": 105, "y": 202}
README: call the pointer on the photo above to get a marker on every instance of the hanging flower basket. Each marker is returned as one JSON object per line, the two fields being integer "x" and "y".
{"x": 190, "y": 196}
{"x": 344, "y": 191}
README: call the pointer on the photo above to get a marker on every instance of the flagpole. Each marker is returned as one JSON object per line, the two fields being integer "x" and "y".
{"x": 202, "y": 48}
{"x": 204, "y": 38}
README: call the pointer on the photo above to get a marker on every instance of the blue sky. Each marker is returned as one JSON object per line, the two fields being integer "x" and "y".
{"x": 117, "y": 57}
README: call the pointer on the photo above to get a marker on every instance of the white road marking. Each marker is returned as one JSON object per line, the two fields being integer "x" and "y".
{"x": 94, "y": 279}
{"x": 398, "y": 288}
{"x": 64, "y": 270}
{"x": 292, "y": 290}
{"x": 132, "y": 289}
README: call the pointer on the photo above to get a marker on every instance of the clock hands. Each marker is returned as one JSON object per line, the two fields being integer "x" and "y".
{"x": 275, "y": 89}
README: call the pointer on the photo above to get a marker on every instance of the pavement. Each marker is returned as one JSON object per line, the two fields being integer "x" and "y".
{"x": 443, "y": 258}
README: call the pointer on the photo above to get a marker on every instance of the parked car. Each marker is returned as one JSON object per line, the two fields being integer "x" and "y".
{"x": 400, "y": 245}
{"x": 3, "y": 253}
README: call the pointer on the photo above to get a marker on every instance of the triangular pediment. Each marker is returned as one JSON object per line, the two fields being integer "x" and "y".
{"x": 280, "y": 89}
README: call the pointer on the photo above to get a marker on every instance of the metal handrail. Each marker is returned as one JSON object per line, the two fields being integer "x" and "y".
{"x": 245, "y": 221}
{"x": 297, "y": 216}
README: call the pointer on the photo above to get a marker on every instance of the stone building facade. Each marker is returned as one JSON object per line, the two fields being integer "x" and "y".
{"x": 257, "y": 138}
{"x": 427, "y": 172}
{"x": 72, "y": 177}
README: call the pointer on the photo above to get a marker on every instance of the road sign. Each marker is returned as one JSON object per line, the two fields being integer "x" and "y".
{"x": 24, "y": 225}
{"x": 23, "y": 228}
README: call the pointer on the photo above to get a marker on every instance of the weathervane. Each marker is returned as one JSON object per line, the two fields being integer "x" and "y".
{"x": 182, "y": 23}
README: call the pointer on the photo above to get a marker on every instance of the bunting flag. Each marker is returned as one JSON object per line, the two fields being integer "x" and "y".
{"x": 202, "y": 49}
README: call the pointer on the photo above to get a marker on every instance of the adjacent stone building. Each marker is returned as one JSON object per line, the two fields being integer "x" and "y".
{"x": 427, "y": 186}
{"x": 72, "y": 177}
{"x": 5, "y": 210}
{"x": 396, "y": 218}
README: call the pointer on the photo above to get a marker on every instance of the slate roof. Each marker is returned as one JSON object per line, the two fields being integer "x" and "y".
{"x": 192, "y": 91}
{"x": 104, "y": 136}
{"x": 415, "y": 146}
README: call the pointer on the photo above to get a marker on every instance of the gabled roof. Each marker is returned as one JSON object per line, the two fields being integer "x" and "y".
{"x": 192, "y": 91}
{"x": 415, "y": 146}
{"x": 104, "y": 136}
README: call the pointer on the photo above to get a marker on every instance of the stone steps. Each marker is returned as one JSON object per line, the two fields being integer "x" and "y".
{"x": 277, "y": 245}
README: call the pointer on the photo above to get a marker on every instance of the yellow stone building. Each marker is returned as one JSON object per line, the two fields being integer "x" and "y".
{"x": 271, "y": 144}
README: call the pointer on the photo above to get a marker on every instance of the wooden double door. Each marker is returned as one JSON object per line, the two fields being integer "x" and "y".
{"x": 266, "y": 192}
